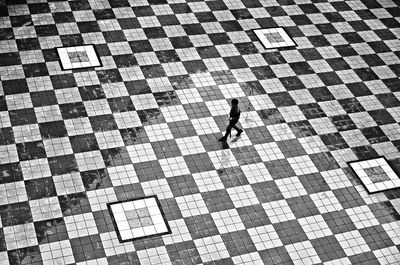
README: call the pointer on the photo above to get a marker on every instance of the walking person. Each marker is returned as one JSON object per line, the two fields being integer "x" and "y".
{"x": 234, "y": 116}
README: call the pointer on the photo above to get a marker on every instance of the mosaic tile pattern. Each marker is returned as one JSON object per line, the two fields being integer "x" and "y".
{"x": 147, "y": 122}
{"x": 138, "y": 218}
{"x": 274, "y": 38}
{"x": 76, "y": 57}
{"x": 376, "y": 174}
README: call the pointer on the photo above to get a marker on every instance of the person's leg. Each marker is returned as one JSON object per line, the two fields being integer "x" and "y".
{"x": 227, "y": 133}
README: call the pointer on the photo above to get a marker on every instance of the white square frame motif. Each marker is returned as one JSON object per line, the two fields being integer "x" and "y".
{"x": 89, "y": 50}
{"x": 286, "y": 40}
{"x": 151, "y": 205}
{"x": 391, "y": 180}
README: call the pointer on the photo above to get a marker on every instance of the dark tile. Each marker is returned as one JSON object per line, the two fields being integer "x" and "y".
{"x": 143, "y": 11}
{"x": 291, "y": 148}
{"x": 271, "y": 116}
{"x": 179, "y": 82}
{"x": 15, "y": 86}
{"x": 125, "y": 258}
{"x": 346, "y": 50}
{"x": 15, "y": 214}
{"x": 376, "y": 237}
{"x": 76, "y": 203}
{"x": 3, "y": 104}
{"x": 103, "y": 123}
{"x": 290, "y": 232}
{"x": 116, "y": 156}
{"x": 330, "y": 78}
{"x": 129, "y": 23}
{"x": 63, "y": 81}
{"x": 374, "y": 134}
{"x": 277, "y": 255}
{"x": 366, "y": 74}
{"x": 40, "y": 188}
{"x": 274, "y": 58}
{"x": 199, "y": 163}
{"x": 292, "y": 83}
{"x": 195, "y": 66}
{"x": 133, "y": 136}
{"x": 53, "y": 129}
{"x": 367, "y": 258}
{"x": 103, "y": 221}
{"x": 267, "y": 191}
{"x": 182, "y": 185}
{"x": 72, "y": 40}
{"x": 349, "y": 197}
{"x": 119, "y": 3}
{"x": 87, "y": 248}
{"x": 252, "y": 88}
{"x": 137, "y": 87}
{"x": 147, "y": 171}
{"x": 35, "y": 70}
{"x": 88, "y": 26}
{"x": 6, "y": 136}
{"x": 79, "y": 5}
{"x": 201, "y": 226}
{"x": 321, "y": 94}
{"x": 301, "y": 68}
{"x": 167, "y": 98}
{"x": 63, "y": 164}
{"x": 167, "y": 56}
{"x": 231, "y": 26}
{"x": 302, "y": 128}
{"x": 109, "y": 76}
{"x": 216, "y": 5}
{"x": 373, "y": 60}
{"x": 253, "y": 216}
{"x": 153, "y": 71}
{"x": 168, "y": 20}
{"x": 312, "y": 110}
{"x": 364, "y": 152}
{"x": 93, "y": 92}
{"x": 43, "y": 98}
{"x": 3, "y": 246}
{"x": 339, "y": 222}
{"x": 96, "y": 179}
{"x": 121, "y": 104}
{"x": 238, "y": 243}
{"x": 184, "y": 253}
{"x": 114, "y": 36}
{"x": 222, "y": 77}
{"x": 301, "y": 20}
{"x": 282, "y": 99}
{"x": 10, "y": 58}
{"x": 102, "y": 14}
{"x": 338, "y": 64}
{"x": 73, "y": 110}
{"x": 328, "y": 248}
{"x": 327, "y": 28}
{"x": 324, "y": 161}
{"x": 50, "y": 231}
{"x": 193, "y": 29}
{"x": 181, "y": 129}
{"x": 319, "y": 41}
{"x": 263, "y": 72}
{"x": 314, "y": 183}
{"x": 381, "y": 116}
{"x": 279, "y": 169}
{"x": 63, "y": 17}
{"x": 10, "y": 173}
{"x": 351, "y": 105}
{"x": 334, "y": 141}
{"x": 388, "y": 100}
{"x": 28, "y": 255}
{"x": 155, "y": 32}
{"x": 27, "y": 44}
{"x": 232, "y": 177}
{"x": 246, "y": 155}
{"x": 343, "y": 122}
{"x": 125, "y": 192}
{"x": 166, "y": 149}
{"x": 217, "y": 200}
{"x": 302, "y": 206}
{"x": 46, "y": 30}
{"x": 241, "y": 14}
{"x": 22, "y": 117}
{"x": 39, "y": 8}
{"x": 384, "y": 212}
{"x": 31, "y": 150}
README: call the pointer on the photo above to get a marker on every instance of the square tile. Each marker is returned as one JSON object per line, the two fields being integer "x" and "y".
{"x": 274, "y": 38}
{"x": 376, "y": 174}
{"x": 138, "y": 218}
{"x": 78, "y": 57}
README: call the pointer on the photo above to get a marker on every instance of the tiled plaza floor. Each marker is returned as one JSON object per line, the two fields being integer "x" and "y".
{"x": 147, "y": 122}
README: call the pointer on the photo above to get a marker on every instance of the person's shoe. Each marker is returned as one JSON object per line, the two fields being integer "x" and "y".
{"x": 239, "y": 133}
{"x": 222, "y": 139}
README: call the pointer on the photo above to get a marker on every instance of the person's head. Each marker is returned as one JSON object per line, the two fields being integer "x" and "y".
{"x": 234, "y": 102}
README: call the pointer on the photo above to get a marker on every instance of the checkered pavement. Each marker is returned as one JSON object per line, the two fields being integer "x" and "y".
{"x": 147, "y": 122}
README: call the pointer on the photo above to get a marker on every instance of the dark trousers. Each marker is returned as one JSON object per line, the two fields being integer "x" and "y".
{"x": 232, "y": 124}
